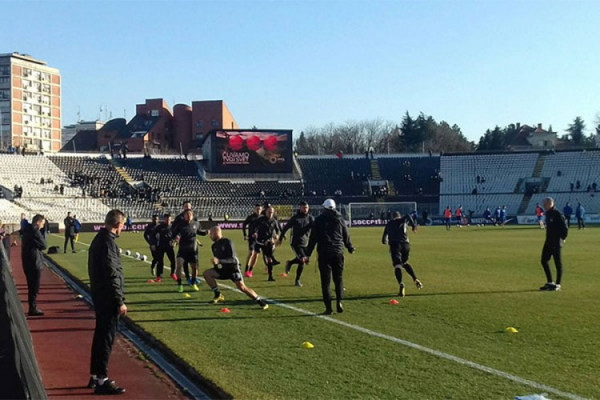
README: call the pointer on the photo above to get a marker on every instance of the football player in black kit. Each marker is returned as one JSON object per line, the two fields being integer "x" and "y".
{"x": 164, "y": 245}
{"x": 394, "y": 234}
{"x": 226, "y": 266}
{"x": 150, "y": 238}
{"x": 265, "y": 232}
{"x": 188, "y": 247}
{"x": 252, "y": 255}
{"x": 300, "y": 225}
{"x": 179, "y": 219}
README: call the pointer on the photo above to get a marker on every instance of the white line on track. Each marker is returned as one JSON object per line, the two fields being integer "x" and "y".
{"x": 436, "y": 353}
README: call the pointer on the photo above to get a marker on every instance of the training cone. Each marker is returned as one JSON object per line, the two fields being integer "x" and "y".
{"x": 225, "y": 310}
{"x": 150, "y": 280}
{"x": 394, "y": 302}
{"x": 510, "y": 329}
{"x": 284, "y": 275}
{"x": 307, "y": 345}
{"x": 186, "y": 296}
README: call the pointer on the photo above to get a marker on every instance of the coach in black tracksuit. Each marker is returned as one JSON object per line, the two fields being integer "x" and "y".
{"x": 556, "y": 234}
{"x": 395, "y": 235}
{"x": 150, "y": 238}
{"x": 330, "y": 235}
{"x": 32, "y": 244}
{"x": 300, "y": 224}
{"x": 106, "y": 288}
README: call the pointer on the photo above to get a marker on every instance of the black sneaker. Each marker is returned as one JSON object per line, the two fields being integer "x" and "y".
{"x": 109, "y": 387}
{"x": 35, "y": 312}
{"x": 271, "y": 279}
{"x": 92, "y": 383}
{"x": 327, "y": 312}
{"x": 339, "y": 307}
{"x": 555, "y": 288}
{"x": 548, "y": 287}
{"x": 262, "y": 304}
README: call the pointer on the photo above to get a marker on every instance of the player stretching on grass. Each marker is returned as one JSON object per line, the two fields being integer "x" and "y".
{"x": 226, "y": 266}
{"x": 394, "y": 234}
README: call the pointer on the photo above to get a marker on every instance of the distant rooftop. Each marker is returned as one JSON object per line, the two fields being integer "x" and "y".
{"x": 26, "y": 57}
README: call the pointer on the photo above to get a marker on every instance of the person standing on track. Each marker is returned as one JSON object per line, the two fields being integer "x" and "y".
{"x": 300, "y": 224}
{"x": 32, "y": 244}
{"x": 107, "y": 291}
{"x": 395, "y": 236}
{"x": 226, "y": 266}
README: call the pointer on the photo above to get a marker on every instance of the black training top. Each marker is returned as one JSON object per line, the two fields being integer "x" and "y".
{"x": 105, "y": 270}
{"x": 264, "y": 228}
{"x": 224, "y": 251}
{"x": 163, "y": 235}
{"x": 300, "y": 224}
{"x": 250, "y": 219}
{"x": 395, "y": 230}
{"x": 329, "y": 234}
{"x": 187, "y": 232}
{"x": 32, "y": 244}
{"x": 149, "y": 236}
{"x": 556, "y": 226}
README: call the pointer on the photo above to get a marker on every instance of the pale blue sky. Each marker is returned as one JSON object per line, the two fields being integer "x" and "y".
{"x": 295, "y": 64}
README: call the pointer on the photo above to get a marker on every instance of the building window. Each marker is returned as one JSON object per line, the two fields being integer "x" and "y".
{"x": 5, "y": 94}
{"x": 199, "y": 124}
{"x": 4, "y": 69}
{"x": 214, "y": 123}
{"x": 4, "y": 79}
{"x": 26, "y": 71}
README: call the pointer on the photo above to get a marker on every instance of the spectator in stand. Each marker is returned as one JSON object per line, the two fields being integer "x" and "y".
{"x": 568, "y": 211}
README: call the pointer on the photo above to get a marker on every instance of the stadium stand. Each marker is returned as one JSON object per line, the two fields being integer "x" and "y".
{"x": 140, "y": 186}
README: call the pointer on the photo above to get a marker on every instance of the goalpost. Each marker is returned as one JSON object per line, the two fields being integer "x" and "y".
{"x": 361, "y": 213}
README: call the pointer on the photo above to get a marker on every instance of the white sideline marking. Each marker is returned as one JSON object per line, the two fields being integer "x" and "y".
{"x": 436, "y": 353}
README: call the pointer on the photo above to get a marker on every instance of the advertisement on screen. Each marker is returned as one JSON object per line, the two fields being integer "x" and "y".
{"x": 252, "y": 151}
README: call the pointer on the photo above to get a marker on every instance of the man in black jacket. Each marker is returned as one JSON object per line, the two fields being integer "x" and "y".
{"x": 70, "y": 231}
{"x": 179, "y": 219}
{"x": 300, "y": 225}
{"x": 330, "y": 235}
{"x": 226, "y": 266}
{"x": 150, "y": 238}
{"x": 106, "y": 288}
{"x": 394, "y": 234}
{"x": 32, "y": 244}
{"x": 556, "y": 234}
{"x": 265, "y": 231}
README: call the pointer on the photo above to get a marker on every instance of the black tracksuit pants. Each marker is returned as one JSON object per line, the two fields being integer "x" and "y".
{"x": 552, "y": 249}
{"x": 331, "y": 264}
{"x": 72, "y": 239}
{"x": 33, "y": 285}
{"x": 160, "y": 257}
{"x": 107, "y": 320}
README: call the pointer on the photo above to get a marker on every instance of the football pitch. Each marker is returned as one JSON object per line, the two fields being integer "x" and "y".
{"x": 445, "y": 341}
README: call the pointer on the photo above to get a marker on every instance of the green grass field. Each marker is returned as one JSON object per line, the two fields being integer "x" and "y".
{"x": 477, "y": 282}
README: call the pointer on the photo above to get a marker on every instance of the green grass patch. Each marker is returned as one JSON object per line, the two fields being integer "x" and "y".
{"x": 477, "y": 281}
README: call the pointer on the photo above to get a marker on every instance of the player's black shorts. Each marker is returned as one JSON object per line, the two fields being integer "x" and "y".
{"x": 251, "y": 243}
{"x": 299, "y": 251}
{"x": 229, "y": 271}
{"x": 399, "y": 252}
{"x": 189, "y": 255}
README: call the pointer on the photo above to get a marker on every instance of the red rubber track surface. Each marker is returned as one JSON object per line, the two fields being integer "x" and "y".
{"x": 62, "y": 340}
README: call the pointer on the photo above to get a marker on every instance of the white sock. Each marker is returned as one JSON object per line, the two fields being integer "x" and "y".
{"x": 101, "y": 381}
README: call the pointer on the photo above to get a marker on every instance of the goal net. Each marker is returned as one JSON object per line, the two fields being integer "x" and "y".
{"x": 365, "y": 214}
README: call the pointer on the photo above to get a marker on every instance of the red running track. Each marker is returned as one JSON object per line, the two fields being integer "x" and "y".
{"x": 62, "y": 340}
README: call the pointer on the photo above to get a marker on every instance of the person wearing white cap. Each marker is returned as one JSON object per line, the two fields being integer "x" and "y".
{"x": 330, "y": 235}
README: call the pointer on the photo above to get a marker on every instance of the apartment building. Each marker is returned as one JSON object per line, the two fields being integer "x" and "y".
{"x": 30, "y": 103}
